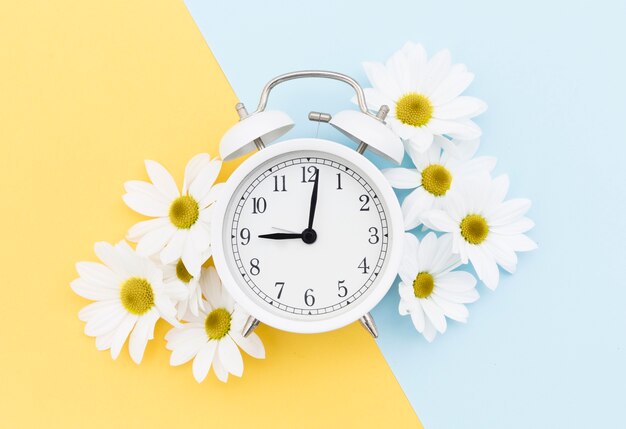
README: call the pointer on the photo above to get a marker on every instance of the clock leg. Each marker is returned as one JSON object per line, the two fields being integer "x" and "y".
{"x": 249, "y": 326}
{"x": 368, "y": 323}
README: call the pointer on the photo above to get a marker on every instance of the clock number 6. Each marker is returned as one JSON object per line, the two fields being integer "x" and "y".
{"x": 309, "y": 299}
{"x": 343, "y": 291}
{"x": 254, "y": 267}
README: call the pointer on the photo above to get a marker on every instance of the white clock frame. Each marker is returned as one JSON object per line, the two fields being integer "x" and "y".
{"x": 221, "y": 242}
{"x": 255, "y": 131}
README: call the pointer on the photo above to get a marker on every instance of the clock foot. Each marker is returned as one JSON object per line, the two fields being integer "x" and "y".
{"x": 249, "y": 326}
{"x": 370, "y": 326}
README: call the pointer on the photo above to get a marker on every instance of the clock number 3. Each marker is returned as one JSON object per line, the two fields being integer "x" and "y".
{"x": 374, "y": 238}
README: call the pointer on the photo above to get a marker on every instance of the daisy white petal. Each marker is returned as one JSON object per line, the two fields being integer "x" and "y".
{"x": 92, "y": 292}
{"x": 230, "y": 356}
{"x": 202, "y": 361}
{"x": 220, "y": 371}
{"x": 141, "y": 334}
{"x": 420, "y": 140}
{"x": 89, "y": 311}
{"x": 105, "y": 321}
{"x": 429, "y": 331}
{"x": 375, "y": 99}
{"x": 251, "y": 344}
{"x": 461, "y": 149}
{"x": 379, "y": 77}
{"x": 97, "y": 274}
{"x": 434, "y": 314}
{"x": 460, "y": 129}
{"x": 436, "y": 70}
{"x": 516, "y": 227}
{"x": 402, "y": 178}
{"x": 142, "y": 228}
{"x": 155, "y": 240}
{"x": 418, "y": 318}
{"x": 121, "y": 334}
{"x": 145, "y": 205}
{"x": 439, "y": 220}
{"x": 162, "y": 179}
{"x": 460, "y": 108}
{"x": 193, "y": 168}
{"x": 174, "y": 249}
{"x": 205, "y": 179}
{"x": 457, "y": 81}
{"x": 414, "y": 206}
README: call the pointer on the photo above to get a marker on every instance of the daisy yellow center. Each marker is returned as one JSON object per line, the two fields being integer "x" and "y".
{"x": 414, "y": 109}
{"x": 217, "y": 323}
{"x": 184, "y": 212}
{"x": 423, "y": 285}
{"x": 137, "y": 295}
{"x": 182, "y": 273}
{"x": 474, "y": 228}
{"x": 436, "y": 179}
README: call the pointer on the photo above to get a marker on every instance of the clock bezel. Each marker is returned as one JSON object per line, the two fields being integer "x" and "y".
{"x": 230, "y": 279}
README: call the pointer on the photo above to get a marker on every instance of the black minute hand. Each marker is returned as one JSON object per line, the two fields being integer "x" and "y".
{"x": 314, "y": 199}
{"x": 281, "y": 236}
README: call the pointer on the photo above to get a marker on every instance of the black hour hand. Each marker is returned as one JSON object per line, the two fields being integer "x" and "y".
{"x": 281, "y": 236}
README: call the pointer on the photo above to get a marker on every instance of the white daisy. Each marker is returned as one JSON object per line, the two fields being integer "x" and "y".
{"x": 130, "y": 296}
{"x": 424, "y": 96}
{"x": 486, "y": 230}
{"x": 434, "y": 176}
{"x": 211, "y": 339}
{"x": 429, "y": 290}
{"x": 182, "y": 224}
{"x": 177, "y": 276}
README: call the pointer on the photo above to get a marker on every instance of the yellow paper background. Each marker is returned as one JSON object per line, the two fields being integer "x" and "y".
{"x": 87, "y": 91}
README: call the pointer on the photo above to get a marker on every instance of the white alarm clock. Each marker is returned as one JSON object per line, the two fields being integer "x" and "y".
{"x": 307, "y": 235}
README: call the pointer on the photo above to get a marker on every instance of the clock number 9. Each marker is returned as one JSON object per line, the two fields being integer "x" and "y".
{"x": 245, "y": 236}
{"x": 309, "y": 299}
{"x": 343, "y": 291}
{"x": 254, "y": 267}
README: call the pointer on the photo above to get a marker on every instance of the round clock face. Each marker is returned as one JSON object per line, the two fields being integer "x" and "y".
{"x": 306, "y": 237}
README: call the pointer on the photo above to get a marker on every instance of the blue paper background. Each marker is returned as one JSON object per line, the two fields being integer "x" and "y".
{"x": 547, "y": 349}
